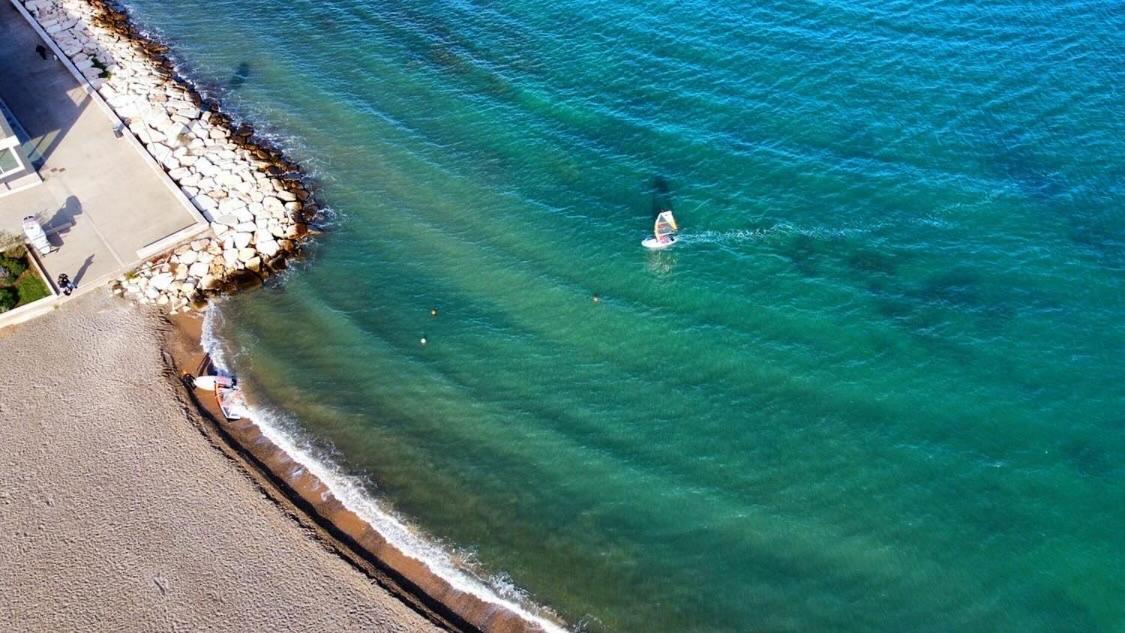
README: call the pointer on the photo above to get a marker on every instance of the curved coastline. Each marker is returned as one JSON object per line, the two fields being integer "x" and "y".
{"x": 425, "y": 580}
{"x": 360, "y": 523}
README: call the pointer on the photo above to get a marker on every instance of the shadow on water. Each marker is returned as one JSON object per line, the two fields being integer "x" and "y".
{"x": 1092, "y": 226}
{"x": 239, "y": 77}
{"x": 661, "y": 193}
{"x": 802, "y": 252}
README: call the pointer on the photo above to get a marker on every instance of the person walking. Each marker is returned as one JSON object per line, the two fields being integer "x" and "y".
{"x": 65, "y": 284}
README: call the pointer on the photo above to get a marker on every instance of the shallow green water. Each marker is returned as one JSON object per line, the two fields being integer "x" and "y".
{"x": 876, "y": 387}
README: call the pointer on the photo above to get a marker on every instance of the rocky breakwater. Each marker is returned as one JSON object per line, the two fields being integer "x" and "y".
{"x": 255, "y": 199}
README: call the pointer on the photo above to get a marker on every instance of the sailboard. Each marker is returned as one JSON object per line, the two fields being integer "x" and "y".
{"x": 663, "y": 232}
{"x": 211, "y": 382}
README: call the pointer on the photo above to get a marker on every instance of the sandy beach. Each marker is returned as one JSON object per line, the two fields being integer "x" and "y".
{"x": 118, "y": 514}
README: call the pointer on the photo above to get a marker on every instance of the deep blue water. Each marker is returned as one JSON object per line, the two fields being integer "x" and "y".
{"x": 876, "y": 386}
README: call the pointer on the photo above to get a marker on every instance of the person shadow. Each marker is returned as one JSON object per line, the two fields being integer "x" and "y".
{"x": 661, "y": 192}
{"x": 82, "y": 271}
{"x": 63, "y": 219}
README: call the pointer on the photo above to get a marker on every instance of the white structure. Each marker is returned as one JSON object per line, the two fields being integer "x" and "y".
{"x": 16, "y": 171}
{"x": 35, "y": 235}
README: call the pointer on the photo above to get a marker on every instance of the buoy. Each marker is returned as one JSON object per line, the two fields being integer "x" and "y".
{"x": 422, "y": 340}
{"x": 597, "y": 298}
{"x": 433, "y": 312}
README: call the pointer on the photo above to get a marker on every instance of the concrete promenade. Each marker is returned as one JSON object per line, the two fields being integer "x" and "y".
{"x": 101, "y": 200}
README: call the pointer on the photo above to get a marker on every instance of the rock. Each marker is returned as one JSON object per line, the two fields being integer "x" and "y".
{"x": 269, "y": 248}
{"x": 174, "y": 133}
{"x": 231, "y": 205}
{"x": 242, "y": 240}
{"x": 206, "y": 168}
{"x": 210, "y": 282}
{"x": 160, "y": 152}
{"x": 199, "y": 269}
{"x": 246, "y": 254}
{"x": 180, "y": 174}
{"x": 254, "y": 264}
{"x": 180, "y": 273}
{"x": 228, "y": 179}
{"x": 230, "y": 258}
{"x": 161, "y": 281}
{"x": 199, "y": 245}
{"x": 204, "y": 202}
{"x": 272, "y": 204}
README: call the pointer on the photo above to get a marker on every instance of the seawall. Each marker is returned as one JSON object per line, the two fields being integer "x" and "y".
{"x": 258, "y": 202}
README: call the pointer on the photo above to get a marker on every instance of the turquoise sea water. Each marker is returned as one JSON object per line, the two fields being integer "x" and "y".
{"x": 876, "y": 387}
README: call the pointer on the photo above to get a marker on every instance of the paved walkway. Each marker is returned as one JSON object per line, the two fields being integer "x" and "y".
{"x": 100, "y": 200}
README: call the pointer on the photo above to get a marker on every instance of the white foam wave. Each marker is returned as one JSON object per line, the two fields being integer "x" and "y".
{"x": 281, "y": 429}
{"x": 725, "y": 237}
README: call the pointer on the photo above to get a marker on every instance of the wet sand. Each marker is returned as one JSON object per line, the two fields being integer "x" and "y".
{"x": 118, "y": 514}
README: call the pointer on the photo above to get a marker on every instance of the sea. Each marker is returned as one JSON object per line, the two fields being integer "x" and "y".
{"x": 875, "y": 386}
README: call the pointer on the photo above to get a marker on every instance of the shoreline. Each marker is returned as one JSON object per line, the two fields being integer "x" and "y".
{"x": 120, "y": 515}
{"x": 310, "y": 501}
{"x": 261, "y": 207}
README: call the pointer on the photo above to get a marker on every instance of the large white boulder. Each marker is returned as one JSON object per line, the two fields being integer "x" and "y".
{"x": 198, "y": 269}
{"x": 269, "y": 248}
{"x": 242, "y": 240}
{"x": 231, "y": 205}
{"x": 203, "y": 202}
{"x": 161, "y": 281}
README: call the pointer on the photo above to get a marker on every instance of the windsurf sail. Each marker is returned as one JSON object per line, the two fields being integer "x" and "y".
{"x": 665, "y": 226}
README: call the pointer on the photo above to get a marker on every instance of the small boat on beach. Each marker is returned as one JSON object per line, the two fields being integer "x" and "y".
{"x": 227, "y": 393}
{"x": 663, "y": 232}
{"x": 231, "y": 402}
